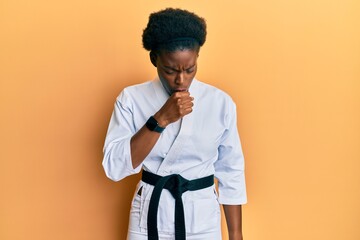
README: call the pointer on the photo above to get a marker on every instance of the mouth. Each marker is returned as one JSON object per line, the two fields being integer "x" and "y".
{"x": 180, "y": 90}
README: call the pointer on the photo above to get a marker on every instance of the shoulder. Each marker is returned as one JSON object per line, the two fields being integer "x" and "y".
{"x": 137, "y": 88}
{"x": 209, "y": 92}
{"x": 134, "y": 91}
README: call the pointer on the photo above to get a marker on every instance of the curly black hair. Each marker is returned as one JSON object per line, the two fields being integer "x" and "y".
{"x": 174, "y": 29}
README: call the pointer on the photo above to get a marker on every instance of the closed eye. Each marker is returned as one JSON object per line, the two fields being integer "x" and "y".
{"x": 190, "y": 70}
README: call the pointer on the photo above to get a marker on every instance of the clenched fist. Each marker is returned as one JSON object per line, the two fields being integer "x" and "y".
{"x": 178, "y": 105}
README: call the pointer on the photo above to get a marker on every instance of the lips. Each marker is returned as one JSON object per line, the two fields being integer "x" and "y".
{"x": 180, "y": 90}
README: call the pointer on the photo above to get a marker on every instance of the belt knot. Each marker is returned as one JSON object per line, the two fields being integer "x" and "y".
{"x": 177, "y": 185}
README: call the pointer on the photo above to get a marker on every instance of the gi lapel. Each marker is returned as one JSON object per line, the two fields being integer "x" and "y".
{"x": 160, "y": 92}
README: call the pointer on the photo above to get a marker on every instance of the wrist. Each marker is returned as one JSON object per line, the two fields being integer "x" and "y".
{"x": 161, "y": 121}
{"x": 153, "y": 125}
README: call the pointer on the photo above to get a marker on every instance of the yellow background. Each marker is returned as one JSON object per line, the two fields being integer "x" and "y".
{"x": 292, "y": 67}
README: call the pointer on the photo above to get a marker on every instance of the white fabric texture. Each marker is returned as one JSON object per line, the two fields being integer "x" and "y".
{"x": 202, "y": 143}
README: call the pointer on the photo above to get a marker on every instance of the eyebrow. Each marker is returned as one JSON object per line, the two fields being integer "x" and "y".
{"x": 176, "y": 70}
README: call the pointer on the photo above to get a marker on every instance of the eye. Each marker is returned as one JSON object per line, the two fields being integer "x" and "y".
{"x": 169, "y": 72}
{"x": 190, "y": 70}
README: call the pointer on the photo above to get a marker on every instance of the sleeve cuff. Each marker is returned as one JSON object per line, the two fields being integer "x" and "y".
{"x": 129, "y": 165}
{"x": 232, "y": 201}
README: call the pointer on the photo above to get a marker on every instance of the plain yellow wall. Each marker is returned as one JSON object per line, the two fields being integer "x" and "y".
{"x": 292, "y": 67}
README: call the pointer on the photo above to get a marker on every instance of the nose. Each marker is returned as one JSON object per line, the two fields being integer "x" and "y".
{"x": 179, "y": 78}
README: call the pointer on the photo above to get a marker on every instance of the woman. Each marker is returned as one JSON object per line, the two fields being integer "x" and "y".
{"x": 182, "y": 133}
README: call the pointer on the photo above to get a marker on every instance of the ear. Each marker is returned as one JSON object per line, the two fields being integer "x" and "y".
{"x": 153, "y": 58}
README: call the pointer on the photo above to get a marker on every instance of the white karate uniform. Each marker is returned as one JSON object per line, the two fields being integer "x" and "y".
{"x": 202, "y": 143}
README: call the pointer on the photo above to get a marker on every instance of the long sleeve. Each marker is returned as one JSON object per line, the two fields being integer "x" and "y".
{"x": 117, "y": 153}
{"x": 229, "y": 167}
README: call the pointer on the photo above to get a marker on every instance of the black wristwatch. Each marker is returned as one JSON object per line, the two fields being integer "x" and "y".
{"x": 153, "y": 125}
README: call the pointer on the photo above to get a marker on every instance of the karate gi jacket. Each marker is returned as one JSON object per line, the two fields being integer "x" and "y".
{"x": 202, "y": 143}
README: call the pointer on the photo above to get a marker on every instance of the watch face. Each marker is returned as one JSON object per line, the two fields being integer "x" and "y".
{"x": 151, "y": 123}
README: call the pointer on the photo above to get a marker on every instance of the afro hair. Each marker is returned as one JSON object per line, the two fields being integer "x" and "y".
{"x": 172, "y": 29}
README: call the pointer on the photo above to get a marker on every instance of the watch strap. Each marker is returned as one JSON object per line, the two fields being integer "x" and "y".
{"x": 153, "y": 125}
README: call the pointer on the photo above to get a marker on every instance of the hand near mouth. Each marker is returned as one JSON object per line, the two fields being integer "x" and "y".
{"x": 179, "y": 104}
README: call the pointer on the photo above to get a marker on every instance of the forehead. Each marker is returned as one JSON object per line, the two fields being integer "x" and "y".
{"x": 178, "y": 58}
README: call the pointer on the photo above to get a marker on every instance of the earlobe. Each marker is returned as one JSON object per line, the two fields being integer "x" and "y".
{"x": 153, "y": 58}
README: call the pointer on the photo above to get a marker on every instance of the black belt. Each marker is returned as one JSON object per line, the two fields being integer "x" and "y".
{"x": 177, "y": 185}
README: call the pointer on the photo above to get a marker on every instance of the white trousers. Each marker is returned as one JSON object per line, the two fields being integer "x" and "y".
{"x": 138, "y": 231}
{"x": 204, "y": 236}
{"x": 135, "y": 233}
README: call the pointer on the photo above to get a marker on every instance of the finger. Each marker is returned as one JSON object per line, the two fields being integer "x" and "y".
{"x": 184, "y": 100}
{"x": 181, "y": 94}
{"x": 187, "y": 111}
{"x": 187, "y": 100}
{"x": 179, "y": 102}
{"x": 187, "y": 105}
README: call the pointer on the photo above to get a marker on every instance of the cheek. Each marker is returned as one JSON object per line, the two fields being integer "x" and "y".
{"x": 192, "y": 75}
{"x": 163, "y": 76}
{"x": 165, "y": 81}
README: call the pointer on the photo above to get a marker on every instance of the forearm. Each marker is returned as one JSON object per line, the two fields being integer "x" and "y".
{"x": 141, "y": 144}
{"x": 177, "y": 106}
{"x": 233, "y": 215}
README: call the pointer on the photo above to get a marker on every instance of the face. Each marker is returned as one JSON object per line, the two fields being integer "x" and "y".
{"x": 177, "y": 69}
